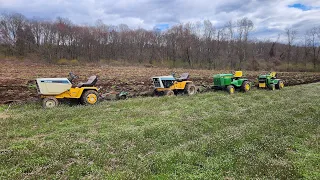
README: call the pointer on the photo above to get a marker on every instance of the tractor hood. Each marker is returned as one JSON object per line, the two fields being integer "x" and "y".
{"x": 53, "y": 80}
{"x": 53, "y": 86}
{"x": 264, "y": 76}
{"x": 222, "y": 75}
{"x": 165, "y": 78}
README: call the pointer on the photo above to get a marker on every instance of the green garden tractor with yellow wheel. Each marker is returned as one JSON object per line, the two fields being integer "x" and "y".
{"x": 270, "y": 81}
{"x": 231, "y": 82}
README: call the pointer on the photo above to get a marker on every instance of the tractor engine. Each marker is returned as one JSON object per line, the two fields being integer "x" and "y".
{"x": 53, "y": 86}
{"x": 167, "y": 83}
{"x": 163, "y": 81}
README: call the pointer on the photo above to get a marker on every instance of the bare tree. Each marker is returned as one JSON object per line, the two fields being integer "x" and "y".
{"x": 313, "y": 39}
{"x": 291, "y": 36}
{"x": 196, "y": 44}
{"x": 244, "y": 26}
{"x": 229, "y": 30}
{"x": 10, "y": 23}
{"x": 209, "y": 34}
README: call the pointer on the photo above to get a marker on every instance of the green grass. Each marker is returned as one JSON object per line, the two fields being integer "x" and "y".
{"x": 261, "y": 134}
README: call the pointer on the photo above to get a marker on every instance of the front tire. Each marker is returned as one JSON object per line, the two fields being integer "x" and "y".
{"x": 169, "y": 93}
{"x": 272, "y": 87}
{"x": 230, "y": 89}
{"x": 279, "y": 85}
{"x": 245, "y": 87}
{"x": 89, "y": 97}
{"x": 50, "y": 102}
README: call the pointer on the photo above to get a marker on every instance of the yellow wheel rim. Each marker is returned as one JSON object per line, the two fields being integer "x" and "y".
{"x": 247, "y": 87}
{"x": 281, "y": 84}
{"x": 92, "y": 98}
{"x": 231, "y": 90}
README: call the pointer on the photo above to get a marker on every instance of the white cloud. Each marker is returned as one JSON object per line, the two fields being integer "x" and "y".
{"x": 271, "y": 16}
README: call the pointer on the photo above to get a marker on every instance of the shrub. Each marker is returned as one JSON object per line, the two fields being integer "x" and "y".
{"x": 74, "y": 62}
{"x": 62, "y": 62}
{"x": 67, "y": 62}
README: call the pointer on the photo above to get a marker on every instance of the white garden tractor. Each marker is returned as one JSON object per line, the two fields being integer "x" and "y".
{"x": 51, "y": 90}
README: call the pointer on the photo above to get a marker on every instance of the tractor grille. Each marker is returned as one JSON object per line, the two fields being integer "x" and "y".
{"x": 262, "y": 80}
{"x": 156, "y": 82}
{"x": 215, "y": 81}
{"x": 38, "y": 89}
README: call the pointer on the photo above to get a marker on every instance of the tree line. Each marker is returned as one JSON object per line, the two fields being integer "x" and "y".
{"x": 192, "y": 45}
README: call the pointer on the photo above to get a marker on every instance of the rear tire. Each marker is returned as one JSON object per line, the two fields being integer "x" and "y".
{"x": 279, "y": 85}
{"x": 50, "y": 102}
{"x": 230, "y": 89}
{"x": 190, "y": 89}
{"x": 169, "y": 93}
{"x": 245, "y": 87}
{"x": 89, "y": 97}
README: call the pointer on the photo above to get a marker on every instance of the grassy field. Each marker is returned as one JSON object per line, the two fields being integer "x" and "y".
{"x": 260, "y": 134}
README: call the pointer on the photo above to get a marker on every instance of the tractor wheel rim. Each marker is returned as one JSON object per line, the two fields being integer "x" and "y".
{"x": 50, "y": 104}
{"x": 247, "y": 87}
{"x": 92, "y": 98}
{"x": 192, "y": 90}
{"x": 232, "y": 90}
{"x": 281, "y": 84}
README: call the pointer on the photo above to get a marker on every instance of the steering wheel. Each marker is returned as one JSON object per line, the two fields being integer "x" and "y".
{"x": 72, "y": 76}
{"x": 173, "y": 74}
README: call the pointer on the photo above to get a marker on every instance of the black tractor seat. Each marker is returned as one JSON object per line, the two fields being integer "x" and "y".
{"x": 183, "y": 77}
{"x": 91, "y": 82}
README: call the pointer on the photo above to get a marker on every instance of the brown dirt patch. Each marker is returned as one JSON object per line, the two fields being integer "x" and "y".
{"x": 4, "y": 115}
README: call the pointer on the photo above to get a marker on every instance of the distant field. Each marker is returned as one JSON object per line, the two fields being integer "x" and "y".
{"x": 260, "y": 134}
{"x": 16, "y": 77}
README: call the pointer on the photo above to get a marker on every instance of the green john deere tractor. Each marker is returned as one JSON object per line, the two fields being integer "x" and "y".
{"x": 269, "y": 81}
{"x": 231, "y": 82}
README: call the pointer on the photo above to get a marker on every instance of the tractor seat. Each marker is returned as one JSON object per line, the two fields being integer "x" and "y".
{"x": 91, "y": 82}
{"x": 183, "y": 77}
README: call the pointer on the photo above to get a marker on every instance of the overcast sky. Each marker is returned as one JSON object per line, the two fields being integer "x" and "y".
{"x": 270, "y": 17}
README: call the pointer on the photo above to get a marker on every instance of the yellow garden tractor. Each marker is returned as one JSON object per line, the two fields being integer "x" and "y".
{"x": 51, "y": 90}
{"x": 169, "y": 85}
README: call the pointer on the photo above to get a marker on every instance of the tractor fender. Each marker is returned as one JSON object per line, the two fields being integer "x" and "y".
{"x": 238, "y": 82}
{"x": 84, "y": 89}
{"x": 275, "y": 81}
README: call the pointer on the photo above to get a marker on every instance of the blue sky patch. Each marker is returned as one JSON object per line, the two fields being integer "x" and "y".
{"x": 162, "y": 27}
{"x": 300, "y": 6}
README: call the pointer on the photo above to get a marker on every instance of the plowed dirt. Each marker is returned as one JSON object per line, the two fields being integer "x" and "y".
{"x": 17, "y": 78}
